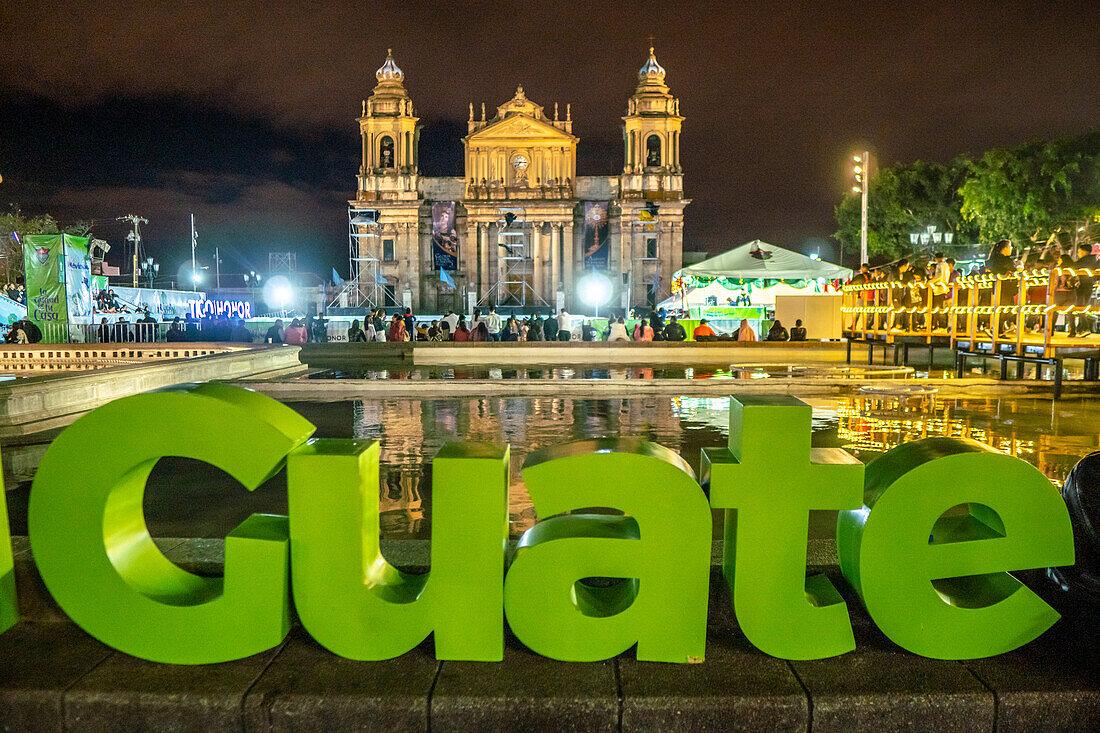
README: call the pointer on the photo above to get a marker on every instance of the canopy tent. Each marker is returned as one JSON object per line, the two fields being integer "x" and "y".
{"x": 757, "y": 270}
{"x": 761, "y": 261}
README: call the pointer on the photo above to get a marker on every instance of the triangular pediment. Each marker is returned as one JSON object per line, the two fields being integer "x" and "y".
{"x": 519, "y": 126}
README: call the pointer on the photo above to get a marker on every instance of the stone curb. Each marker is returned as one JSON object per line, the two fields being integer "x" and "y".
{"x": 55, "y": 677}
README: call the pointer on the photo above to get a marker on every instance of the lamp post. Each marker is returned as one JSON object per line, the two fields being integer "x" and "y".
{"x": 929, "y": 235}
{"x": 150, "y": 268}
{"x": 861, "y": 171}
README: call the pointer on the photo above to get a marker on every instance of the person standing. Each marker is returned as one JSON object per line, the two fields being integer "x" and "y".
{"x": 397, "y": 330}
{"x": 866, "y": 297}
{"x": 462, "y": 333}
{"x": 410, "y": 325}
{"x": 1000, "y": 263}
{"x": 1086, "y": 260}
{"x": 940, "y": 282}
{"x": 274, "y": 334}
{"x": 451, "y": 320}
{"x": 355, "y": 334}
{"x": 493, "y": 324}
{"x": 565, "y": 326}
{"x": 295, "y": 333}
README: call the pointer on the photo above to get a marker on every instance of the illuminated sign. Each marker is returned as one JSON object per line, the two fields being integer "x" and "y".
{"x": 934, "y": 578}
{"x": 220, "y": 309}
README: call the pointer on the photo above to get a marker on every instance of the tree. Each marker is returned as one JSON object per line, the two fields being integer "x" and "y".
{"x": 15, "y": 222}
{"x": 1037, "y": 191}
{"x": 902, "y": 199}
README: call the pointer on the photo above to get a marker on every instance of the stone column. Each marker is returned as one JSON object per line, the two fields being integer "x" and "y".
{"x": 569, "y": 253}
{"x": 469, "y": 256}
{"x": 614, "y": 257}
{"x": 536, "y": 253}
{"x": 483, "y": 246}
{"x": 555, "y": 262}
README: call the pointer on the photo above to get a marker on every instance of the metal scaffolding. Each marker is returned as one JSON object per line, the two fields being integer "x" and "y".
{"x": 516, "y": 262}
{"x": 366, "y": 286}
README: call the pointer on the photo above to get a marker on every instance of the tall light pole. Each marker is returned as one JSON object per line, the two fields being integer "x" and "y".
{"x": 135, "y": 237}
{"x": 194, "y": 242}
{"x": 861, "y": 171}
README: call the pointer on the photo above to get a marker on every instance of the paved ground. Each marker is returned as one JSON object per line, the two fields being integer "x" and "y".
{"x": 53, "y": 677}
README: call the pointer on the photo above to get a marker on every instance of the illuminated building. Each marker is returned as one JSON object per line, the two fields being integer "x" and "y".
{"x": 520, "y": 227}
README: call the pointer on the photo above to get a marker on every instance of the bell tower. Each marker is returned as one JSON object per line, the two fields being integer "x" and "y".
{"x": 651, "y": 137}
{"x": 390, "y": 138}
{"x": 651, "y": 188}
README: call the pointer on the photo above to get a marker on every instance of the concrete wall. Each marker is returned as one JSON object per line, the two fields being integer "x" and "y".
{"x": 41, "y": 403}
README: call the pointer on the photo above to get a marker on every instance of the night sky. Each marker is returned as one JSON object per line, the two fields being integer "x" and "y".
{"x": 244, "y": 113}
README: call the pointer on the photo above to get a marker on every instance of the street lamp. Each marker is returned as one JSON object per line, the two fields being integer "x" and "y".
{"x": 150, "y": 268}
{"x": 929, "y": 235}
{"x": 861, "y": 171}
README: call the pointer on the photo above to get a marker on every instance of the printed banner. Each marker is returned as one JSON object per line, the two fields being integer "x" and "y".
{"x": 596, "y": 249}
{"x": 44, "y": 265}
{"x": 444, "y": 236}
{"x": 162, "y": 304}
{"x": 78, "y": 285}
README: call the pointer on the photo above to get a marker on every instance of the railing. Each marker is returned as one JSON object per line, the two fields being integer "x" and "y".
{"x": 1016, "y": 312}
{"x": 131, "y": 333}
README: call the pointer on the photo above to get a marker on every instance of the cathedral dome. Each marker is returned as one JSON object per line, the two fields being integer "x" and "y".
{"x": 389, "y": 70}
{"x": 651, "y": 71}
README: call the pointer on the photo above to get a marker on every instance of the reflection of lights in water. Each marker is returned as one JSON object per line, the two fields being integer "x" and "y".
{"x": 411, "y": 432}
{"x": 876, "y": 425}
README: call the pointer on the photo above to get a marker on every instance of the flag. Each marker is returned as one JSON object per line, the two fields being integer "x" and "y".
{"x": 336, "y": 279}
{"x": 445, "y": 278}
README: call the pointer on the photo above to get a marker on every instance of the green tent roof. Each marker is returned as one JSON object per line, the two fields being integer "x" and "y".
{"x": 762, "y": 261}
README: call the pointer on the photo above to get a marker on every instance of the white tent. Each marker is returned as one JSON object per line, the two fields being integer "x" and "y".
{"x": 791, "y": 273}
{"x": 761, "y": 261}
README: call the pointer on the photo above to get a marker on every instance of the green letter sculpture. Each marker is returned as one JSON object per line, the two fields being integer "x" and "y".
{"x": 358, "y": 605}
{"x": 660, "y": 548}
{"x": 93, "y": 548}
{"x": 936, "y": 584}
{"x": 9, "y": 606}
{"x": 768, "y": 481}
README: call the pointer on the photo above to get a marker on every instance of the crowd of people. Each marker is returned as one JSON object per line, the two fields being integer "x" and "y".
{"x": 488, "y": 325}
{"x": 16, "y": 292}
{"x": 483, "y": 326}
{"x": 937, "y": 276}
{"x": 106, "y": 301}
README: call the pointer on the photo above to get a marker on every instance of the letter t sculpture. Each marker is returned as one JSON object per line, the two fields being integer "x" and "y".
{"x": 768, "y": 481}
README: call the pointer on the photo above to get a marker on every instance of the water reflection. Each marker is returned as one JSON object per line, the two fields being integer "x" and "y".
{"x": 411, "y": 432}
{"x": 664, "y": 371}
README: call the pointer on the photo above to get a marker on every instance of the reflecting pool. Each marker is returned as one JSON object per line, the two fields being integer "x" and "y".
{"x": 591, "y": 371}
{"x": 198, "y": 500}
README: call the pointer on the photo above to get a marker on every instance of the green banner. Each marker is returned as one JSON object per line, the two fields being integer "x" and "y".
{"x": 47, "y": 304}
{"x": 78, "y": 285}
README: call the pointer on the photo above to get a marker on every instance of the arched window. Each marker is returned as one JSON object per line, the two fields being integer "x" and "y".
{"x": 653, "y": 151}
{"x": 385, "y": 152}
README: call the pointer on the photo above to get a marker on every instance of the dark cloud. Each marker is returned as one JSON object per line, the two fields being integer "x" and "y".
{"x": 244, "y": 113}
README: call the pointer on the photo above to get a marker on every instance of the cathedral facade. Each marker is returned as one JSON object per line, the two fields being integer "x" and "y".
{"x": 520, "y": 227}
